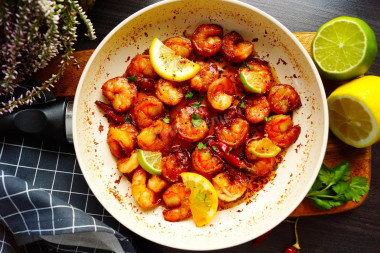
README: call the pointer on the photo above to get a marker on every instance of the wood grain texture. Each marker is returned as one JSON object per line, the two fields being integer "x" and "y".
{"x": 360, "y": 159}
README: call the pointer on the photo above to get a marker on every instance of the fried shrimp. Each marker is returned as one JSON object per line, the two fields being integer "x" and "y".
{"x": 281, "y": 131}
{"x": 207, "y": 39}
{"x": 233, "y": 130}
{"x": 176, "y": 162}
{"x": 176, "y": 199}
{"x": 235, "y": 49}
{"x": 234, "y": 133}
{"x": 142, "y": 71}
{"x": 209, "y": 73}
{"x": 230, "y": 184}
{"x": 263, "y": 166}
{"x": 145, "y": 197}
{"x": 191, "y": 124}
{"x": 169, "y": 92}
{"x": 220, "y": 93}
{"x": 147, "y": 110}
{"x": 206, "y": 162}
{"x": 256, "y": 109}
{"x": 121, "y": 139}
{"x": 157, "y": 137}
{"x": 283, "y": 98}
{"x": 180, "y": 45}
{"x": 120, "y": 92}
{"x": 128, "y": 164}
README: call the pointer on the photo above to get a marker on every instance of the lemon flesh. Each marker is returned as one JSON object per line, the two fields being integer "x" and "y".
{"x": 150, "y": 161}
{"x": 354, "y": 111}
{"x": 344, "y": 48}
{"x": 170, "y": 66}
{"x": 203, "y": 198}
{"x": 264, "y": 148}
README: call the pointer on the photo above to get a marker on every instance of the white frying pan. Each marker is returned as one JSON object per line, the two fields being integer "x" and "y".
{"x": 296, "y": 173}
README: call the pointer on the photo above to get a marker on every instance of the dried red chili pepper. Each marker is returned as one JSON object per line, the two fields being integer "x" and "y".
{"x": 110, "y": 112}
{"x": 223, "y": 151}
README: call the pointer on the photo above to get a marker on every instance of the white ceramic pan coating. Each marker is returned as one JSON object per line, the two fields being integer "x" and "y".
{"x": 295, "y": 175}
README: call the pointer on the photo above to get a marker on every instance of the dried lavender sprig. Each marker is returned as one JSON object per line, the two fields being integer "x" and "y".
{"x": 67, "y": 10}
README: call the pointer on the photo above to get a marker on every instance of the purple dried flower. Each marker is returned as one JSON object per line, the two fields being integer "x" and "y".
{"x": 35, "y": 32}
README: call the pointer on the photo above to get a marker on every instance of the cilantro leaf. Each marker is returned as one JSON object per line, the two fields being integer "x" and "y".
{"x": 358, "y": 188}
{"x": 196, "y": 120}
{"x": 128, "y": 119}
{"x": 132, "y": 78}
{"x": 189, "y": 95}
{"x": 333, "y": 188}
{"x": 201, "y": 145}
{"x": 166, "y": 119}
{"x": 268, "y": 118}
{"x": 198, "y": 104}
{"x": 247, "y": 65}
{"x": 241, "y": 104}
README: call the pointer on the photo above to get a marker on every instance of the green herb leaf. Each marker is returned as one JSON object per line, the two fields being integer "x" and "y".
{"x": 128, "y": 118}
{"x": 196, "y": 120}
{"x": 199, "y": 104}
{"x": 201, "y": 145}
{"x": 166, "y": 119}
{"x": 189, "y": 95}
{"x": 132, "y": 78}
{"x": 241, "y": 104}
{"x": 268, "y": 118}
{"x": 333, "y": 188}
{"x": 247, "y": 65}
{"x": 228, "y": 152}
{"x": 199, "y": 196}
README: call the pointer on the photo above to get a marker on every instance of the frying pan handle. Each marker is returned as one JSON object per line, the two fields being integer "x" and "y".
{"x": 51, "y": 120}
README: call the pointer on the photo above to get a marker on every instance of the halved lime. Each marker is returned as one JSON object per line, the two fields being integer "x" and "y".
{"x": 344, "y": 48}
{"x": 150, "y": 161}
{"x": 253, "y": 81}
{"x": 263, "y": 148}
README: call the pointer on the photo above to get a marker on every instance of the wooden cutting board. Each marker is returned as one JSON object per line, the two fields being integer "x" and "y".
{"x": 336, "y": 152}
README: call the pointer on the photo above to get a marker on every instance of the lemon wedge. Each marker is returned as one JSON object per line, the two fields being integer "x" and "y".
{"x": 203, "y": 198}
{"x": 170, "y": 66}
{"x": 354, "y": 111}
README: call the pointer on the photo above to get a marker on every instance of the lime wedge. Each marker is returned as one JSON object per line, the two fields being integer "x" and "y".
{"x": 253, "y": 81}
{"x": 344, "y": 48}
{"x": 263, "y": 148}
{"x": 150, "y": 161}
{"x": 170, "y": 66}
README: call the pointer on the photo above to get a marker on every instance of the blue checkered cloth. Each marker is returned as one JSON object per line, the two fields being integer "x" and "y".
{"x": 46, "y": 204}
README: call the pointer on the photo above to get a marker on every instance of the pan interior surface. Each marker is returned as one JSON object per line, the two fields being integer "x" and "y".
{"x": 294, "y": 176}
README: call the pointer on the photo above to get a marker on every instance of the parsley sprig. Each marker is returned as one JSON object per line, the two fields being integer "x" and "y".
{"x": 333, "y": 187}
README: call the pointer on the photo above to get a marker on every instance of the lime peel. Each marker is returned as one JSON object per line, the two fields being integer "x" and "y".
{"x": 150, "y": 161}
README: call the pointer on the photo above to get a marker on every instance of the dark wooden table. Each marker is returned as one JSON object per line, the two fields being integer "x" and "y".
{"x": 357, "y": 230}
